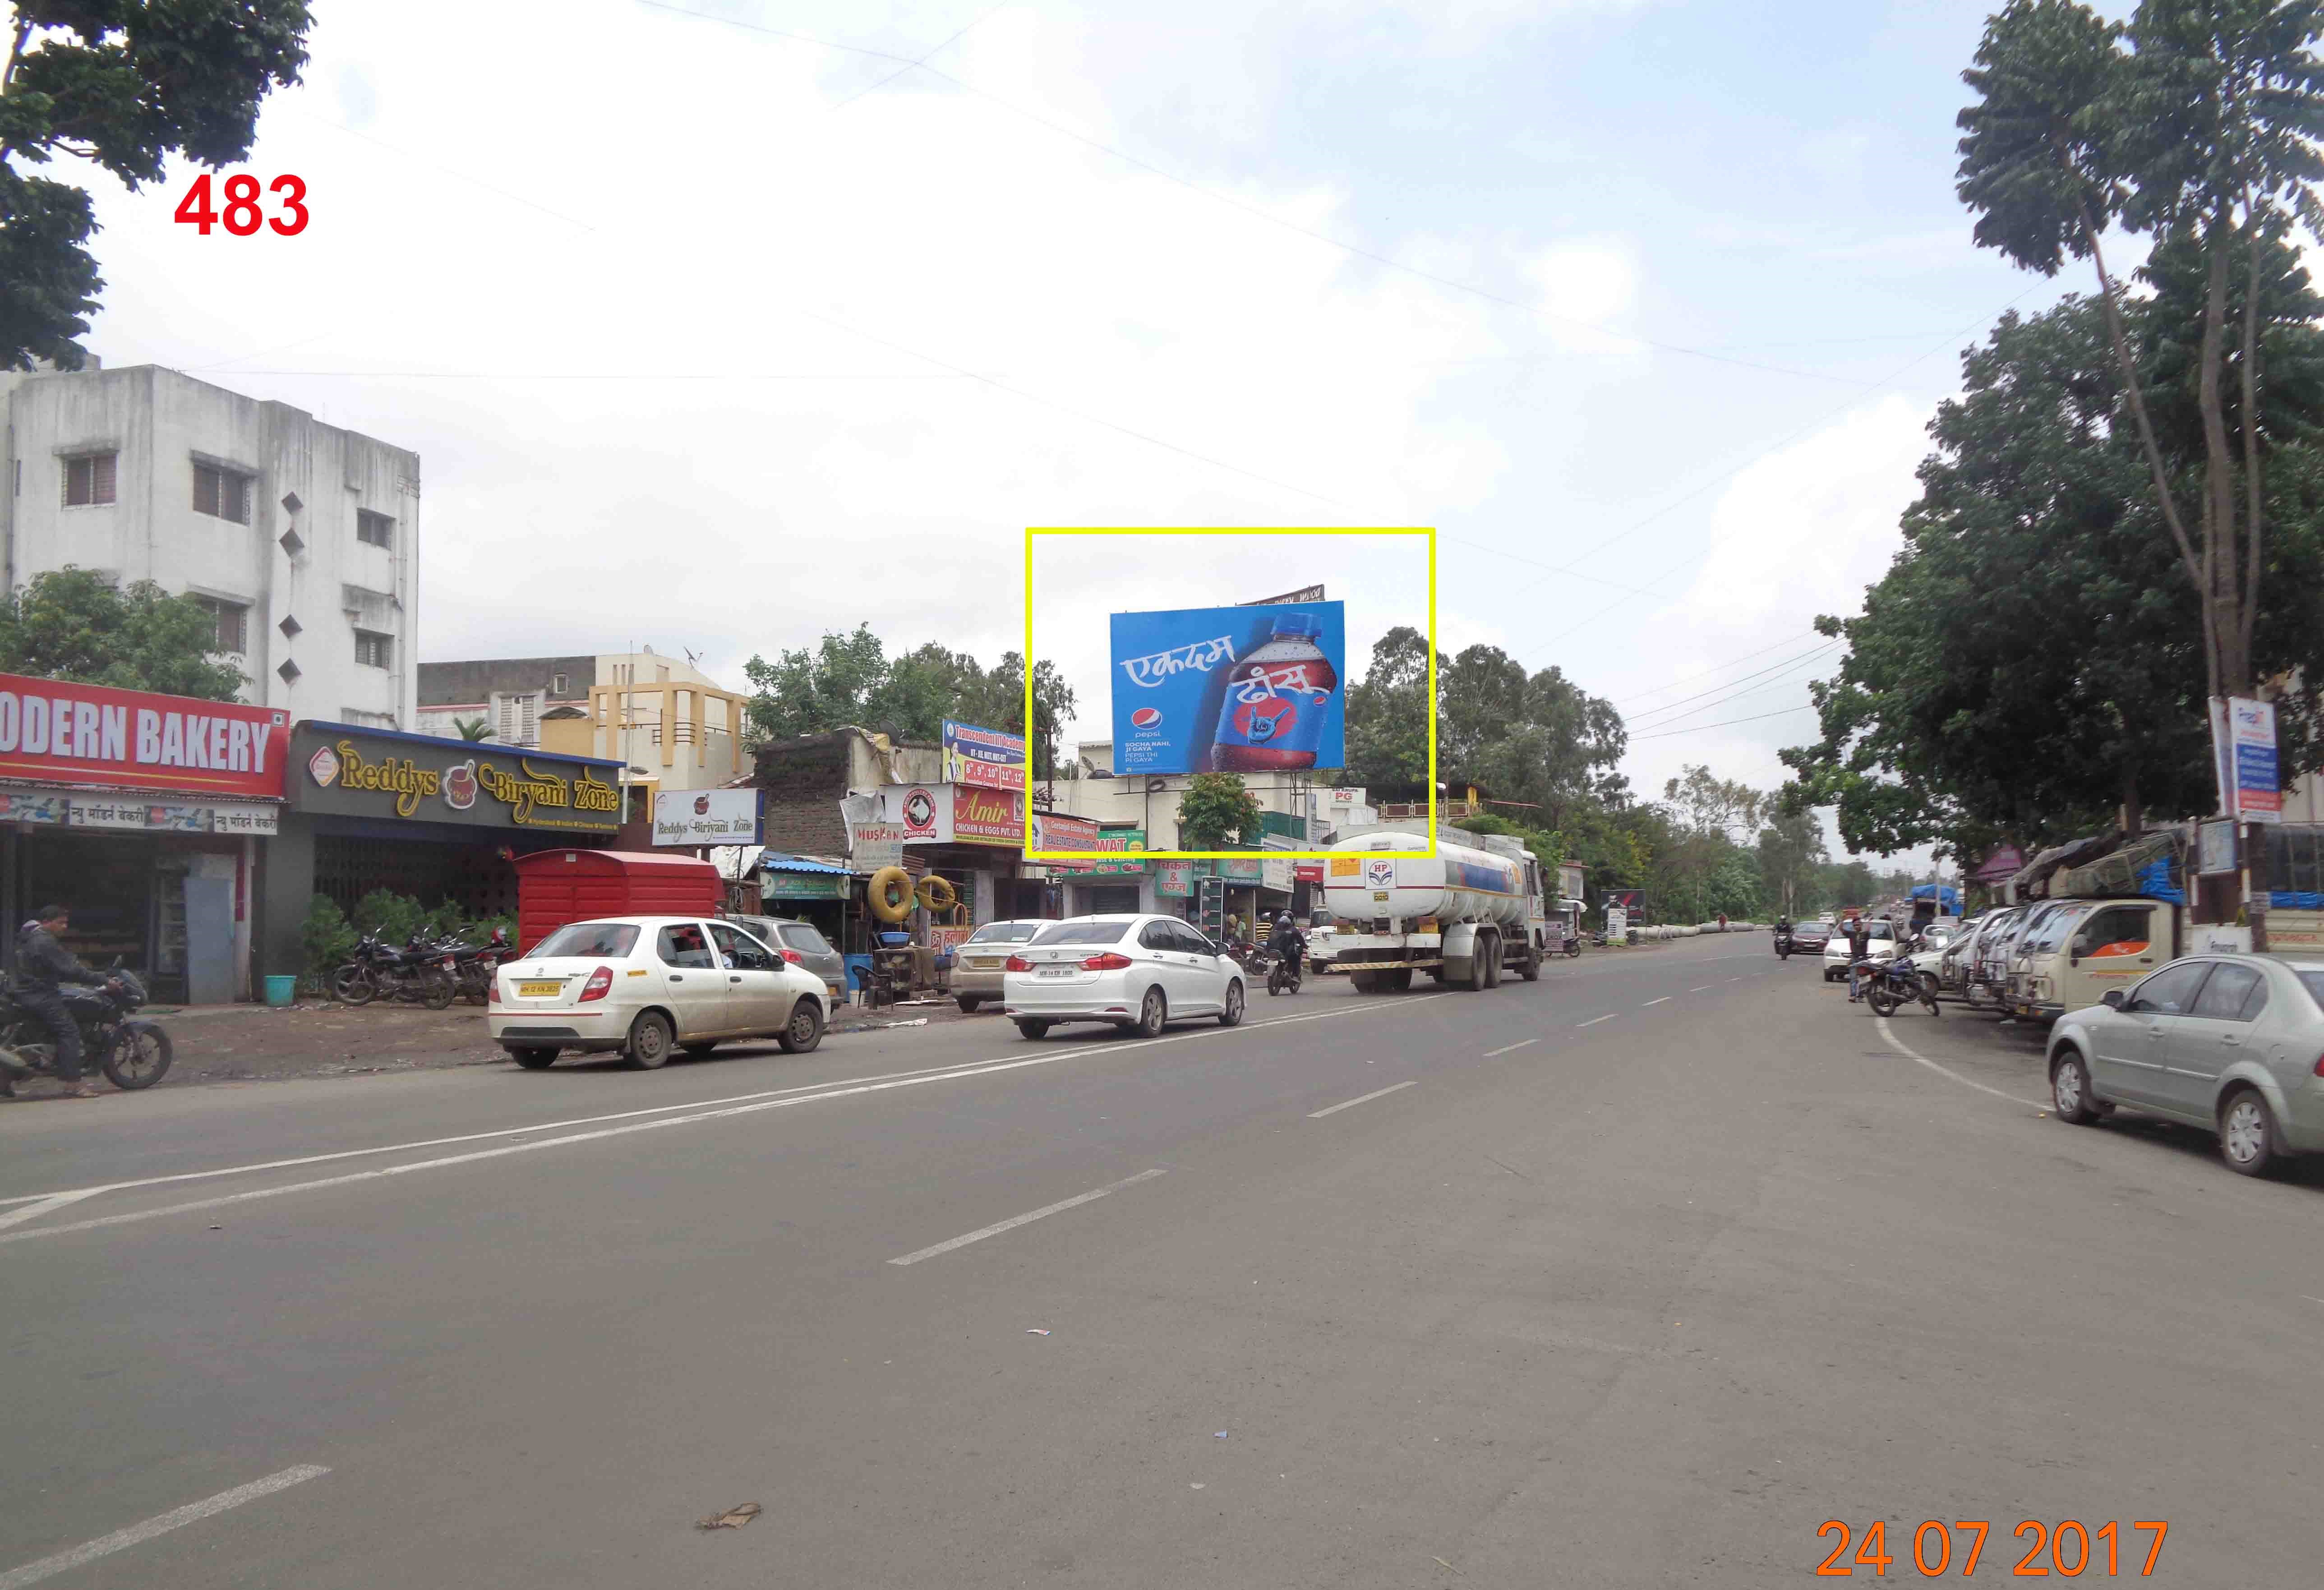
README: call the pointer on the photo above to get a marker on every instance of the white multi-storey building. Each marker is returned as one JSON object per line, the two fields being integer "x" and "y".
{"x": 302, "y": 537}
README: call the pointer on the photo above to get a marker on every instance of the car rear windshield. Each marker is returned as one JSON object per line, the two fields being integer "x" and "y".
{"x": 1004, "y": 933}
{"x": 579, "y": 939}
{"x": 806, "y": 939}
{"x": 1084, "y": 933}
{"x": 2313, "y": 981}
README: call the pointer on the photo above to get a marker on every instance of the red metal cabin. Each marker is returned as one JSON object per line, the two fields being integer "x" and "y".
{"x": 554, "y": 887}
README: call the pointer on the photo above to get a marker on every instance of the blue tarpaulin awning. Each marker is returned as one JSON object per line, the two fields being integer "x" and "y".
{"x": 772, "y": 863}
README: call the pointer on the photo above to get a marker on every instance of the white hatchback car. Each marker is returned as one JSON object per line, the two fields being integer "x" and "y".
{"x": 644, "y": 986}
{"x": 1138, "y": 973}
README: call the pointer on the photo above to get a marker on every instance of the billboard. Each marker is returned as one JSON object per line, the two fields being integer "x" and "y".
{"x": 706, "y": 817}
{"x": 2242, "y": 746}
{"x": 1229, "y": 690}
{"x": 987, "y": 758}
{"x": 94, "y": 735}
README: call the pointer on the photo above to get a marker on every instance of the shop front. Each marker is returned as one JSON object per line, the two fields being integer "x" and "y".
{"x": 970, "y": 836}
{"x": 432, "y": 819}
{"x": 140, "y": 814}
{"x": 1119, "y": 885}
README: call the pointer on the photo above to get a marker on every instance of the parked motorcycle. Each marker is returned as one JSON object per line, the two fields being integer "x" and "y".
{"x": 133, "y": 1054}
{"x": 1895, "y": 983}
{"x": 426, "y": 973}
{"x": 472, "y": 964}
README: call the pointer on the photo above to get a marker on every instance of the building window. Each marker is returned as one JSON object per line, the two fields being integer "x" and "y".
{"x": 222, "y": 494}
{"x": 373, "y": 650}
{"x": 375, "y": 529}
{"x": 557, "y": 685}
{"x": 88, "y": 480}
{"x": 233, "y": 624}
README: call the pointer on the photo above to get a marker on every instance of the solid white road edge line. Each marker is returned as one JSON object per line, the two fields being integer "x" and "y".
{"x": 1652, "y": 1002}
{"x": 32, "y": 1573}
{"x": 833, "y": 1090}
{"x": 1367, "y": 1099}
{"x": 34, "y": 1209}
{"x": 1014, "y": 1220}
{"x": 1492, "y": 1052}
{"x": 1594, "y": 1021}
{"x": 1902, "y": 1047}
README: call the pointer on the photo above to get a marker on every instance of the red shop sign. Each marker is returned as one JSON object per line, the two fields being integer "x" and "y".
{"x": 93, "y": 734}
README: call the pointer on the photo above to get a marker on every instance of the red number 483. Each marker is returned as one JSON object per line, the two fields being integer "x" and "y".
{"x": 241, "y": 214}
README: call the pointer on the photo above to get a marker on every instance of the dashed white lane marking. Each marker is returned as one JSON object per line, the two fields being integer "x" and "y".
{"x": 710, "y": 1110}
{"x": 1594, "y": 1021}
{"x": 1705, "y": 988}
{"x": 1013, "y": 1222}
{"x": 1352, "y": 1104}
{"x": 1651, "y": 1003}
{"x": 1902, "y": 1047}
{"x": 1507, "y": 1048}
{"x": 48, "y": 1567}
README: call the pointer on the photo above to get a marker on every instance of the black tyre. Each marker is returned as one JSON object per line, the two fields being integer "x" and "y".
{"x": 2247, "y": 1138}
{"x": 1475, "y": 981}
{"x": 1531, "y": 970}
{"x": 1153, "y": 1014}
{"x": 700, "y": 1051}
{"x": 1363, "y": 982}
{"x": 353, "y": 984}
{"x": 1231, "y": 1016}
{"x": 1032, "y": 1027}
{"x": 140, "y": 1054}
{"x": 1493, "y": 963}
{"x": 2069, "y": 1089}
{"x": 1783, "y": 952}
{"x": 650, "y": 1041}
{"x": 1573, "y": 949}
{"x": 1882, "y": 1003}
{"x": 534, "y": 1059}
{"x": 437, "y": 991}
{"x": 803, "y": 1030}
{"x": 968, "y": 1003}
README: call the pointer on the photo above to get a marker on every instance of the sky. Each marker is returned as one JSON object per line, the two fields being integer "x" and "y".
{"x": 720, "y": 324}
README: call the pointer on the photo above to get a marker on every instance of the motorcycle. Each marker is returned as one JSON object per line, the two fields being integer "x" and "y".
{"x": 1894, "y": 984}
{"x": 425, "y": 973}
{"x": 1283, "y": 971}
{"x": 473, "y": 965}
{"x": 1783, "y": 946}
{"x": 133, "y": 1054}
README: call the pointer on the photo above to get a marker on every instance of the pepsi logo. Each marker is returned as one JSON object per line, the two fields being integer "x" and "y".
{"x": 1145, "y": 718}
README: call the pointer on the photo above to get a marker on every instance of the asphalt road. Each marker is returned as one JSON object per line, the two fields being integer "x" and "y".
{"x": 1635, "y": 1276}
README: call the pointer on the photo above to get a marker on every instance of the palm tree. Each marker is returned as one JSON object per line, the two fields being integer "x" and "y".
{"x": 473, "y": 729}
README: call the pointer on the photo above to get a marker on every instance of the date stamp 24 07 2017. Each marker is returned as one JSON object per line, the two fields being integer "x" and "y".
{"x": 2069, "y": 1550}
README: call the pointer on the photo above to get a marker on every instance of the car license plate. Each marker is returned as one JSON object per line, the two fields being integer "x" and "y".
{"x": 986, "y": 961}
{"x": 539, "y": 989}
{"x": 1057, "y": 971}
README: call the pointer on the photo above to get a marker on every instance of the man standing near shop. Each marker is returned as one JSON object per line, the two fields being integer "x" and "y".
{"x": 42, "y": 965}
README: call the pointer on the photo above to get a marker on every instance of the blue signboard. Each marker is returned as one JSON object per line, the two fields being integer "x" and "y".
{"x": 1230, "y": 689}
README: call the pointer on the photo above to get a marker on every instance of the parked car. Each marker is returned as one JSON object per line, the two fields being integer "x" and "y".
{"x": 803, "y": 945}
{"x": 1881, "y": 947}
{"x": 1138, "y": 973}
{"x": 1994, "y": 946}
{"x": 642, "y": 986}
{"x": 2227, "y": 1042}
{"x": 977, "y": 965}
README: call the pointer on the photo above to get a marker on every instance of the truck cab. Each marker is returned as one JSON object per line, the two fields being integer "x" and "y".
{"x": 2073, "y": 950}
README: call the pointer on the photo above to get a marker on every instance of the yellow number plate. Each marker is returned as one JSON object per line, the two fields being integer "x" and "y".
{"x": 1346, "y": 866}
{"x": 539, "y": 989}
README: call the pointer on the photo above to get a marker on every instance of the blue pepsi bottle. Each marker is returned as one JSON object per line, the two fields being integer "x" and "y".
{"x": 1277, "y": 700}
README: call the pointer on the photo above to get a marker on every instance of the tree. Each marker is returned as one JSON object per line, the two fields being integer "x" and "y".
{"x": 75, "y": 625}
{"x": 1791, "y": 850}
{"x": 474, "y": 730}
{"x": 2032, "y": 604}
{"x": 124, "y": 84}
{"x": 1215, "y": 811}
{"x": 1388, "y": 719}
{"x": 2198, "y": 121}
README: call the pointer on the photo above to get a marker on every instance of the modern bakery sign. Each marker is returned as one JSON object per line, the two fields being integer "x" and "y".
{"x": 94, "y": 735}
{"x": 358, "y": 772}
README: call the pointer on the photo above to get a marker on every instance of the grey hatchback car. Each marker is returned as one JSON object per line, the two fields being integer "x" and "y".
{"x": 2227, "y": 1042}
{"x": 976, "y": 965}
{"x": 802, "y": 945}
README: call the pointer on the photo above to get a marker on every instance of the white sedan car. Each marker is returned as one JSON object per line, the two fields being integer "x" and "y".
{"x": 643, "y": 985}
{"x": 1138, "y": 973}
{"x": 1882, "y": 946}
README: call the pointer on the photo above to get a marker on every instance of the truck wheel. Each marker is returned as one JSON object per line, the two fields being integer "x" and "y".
{"x": 1396, "y": 982}
{"x": 1478, "y": 946}
{"x": 1493, "y": 963}
{"x": 1531, "y": 970}
{"x": 1363, "y": 982}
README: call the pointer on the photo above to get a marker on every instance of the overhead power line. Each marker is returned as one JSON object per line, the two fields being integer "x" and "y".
{"x": 1700, "y": 727}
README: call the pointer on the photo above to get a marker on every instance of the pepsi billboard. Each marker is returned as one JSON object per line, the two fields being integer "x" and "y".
{"x": 1230, "y": 689}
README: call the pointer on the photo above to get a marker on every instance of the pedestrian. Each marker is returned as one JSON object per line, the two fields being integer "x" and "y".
{"x": 1859, "y": 946}
{"x": 42, "y": 964}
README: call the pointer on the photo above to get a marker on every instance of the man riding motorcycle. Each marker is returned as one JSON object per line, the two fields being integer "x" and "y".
{"x": 1287, "y": 942}
{"x": 42, "y": 965}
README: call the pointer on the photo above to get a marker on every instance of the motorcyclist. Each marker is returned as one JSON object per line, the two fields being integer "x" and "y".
{"x": 1286, "y": 942}
{"x": 42, "y": 965}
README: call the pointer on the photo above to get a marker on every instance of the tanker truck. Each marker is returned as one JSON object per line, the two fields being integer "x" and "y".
{"x": 1462, "y": 916}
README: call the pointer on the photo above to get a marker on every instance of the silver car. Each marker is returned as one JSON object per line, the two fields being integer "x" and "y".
{"x": 2227, "y": 1042}
{"x": 803, "y": 945}
{"x": 976, "y": 965}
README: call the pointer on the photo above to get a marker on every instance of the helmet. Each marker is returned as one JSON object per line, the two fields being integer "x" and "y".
{"x": 1283, "y": 919}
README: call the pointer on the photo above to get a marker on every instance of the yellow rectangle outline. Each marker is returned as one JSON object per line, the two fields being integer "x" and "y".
{"x": 1031, "y": 530}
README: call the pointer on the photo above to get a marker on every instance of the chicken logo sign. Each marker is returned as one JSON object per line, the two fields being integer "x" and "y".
{"x": 919, "y": 814}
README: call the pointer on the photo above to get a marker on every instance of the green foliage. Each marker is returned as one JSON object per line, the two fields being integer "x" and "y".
{"x": 328, "y": 936}
{"x": 849, "y": 678}
{"x": 74, "y": 624}
{"x": 124, "y": 84}
{"x": 327, "y": 939}
{"x": 474, "y": 730}
{"x": 1548, "y": 847}
{"x": 1216, "y": 810}
{"x": 1388, "y": 719}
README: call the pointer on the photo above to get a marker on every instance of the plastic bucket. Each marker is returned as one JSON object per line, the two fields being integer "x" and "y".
{"x": 282, "y": 991}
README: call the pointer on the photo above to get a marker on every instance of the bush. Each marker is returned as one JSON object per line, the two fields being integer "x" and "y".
{"x": 329, "y": 935}
{"x": 328, "y": 940}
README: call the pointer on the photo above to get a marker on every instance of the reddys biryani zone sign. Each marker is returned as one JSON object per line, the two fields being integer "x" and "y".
{"x": 430, "y": 787}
